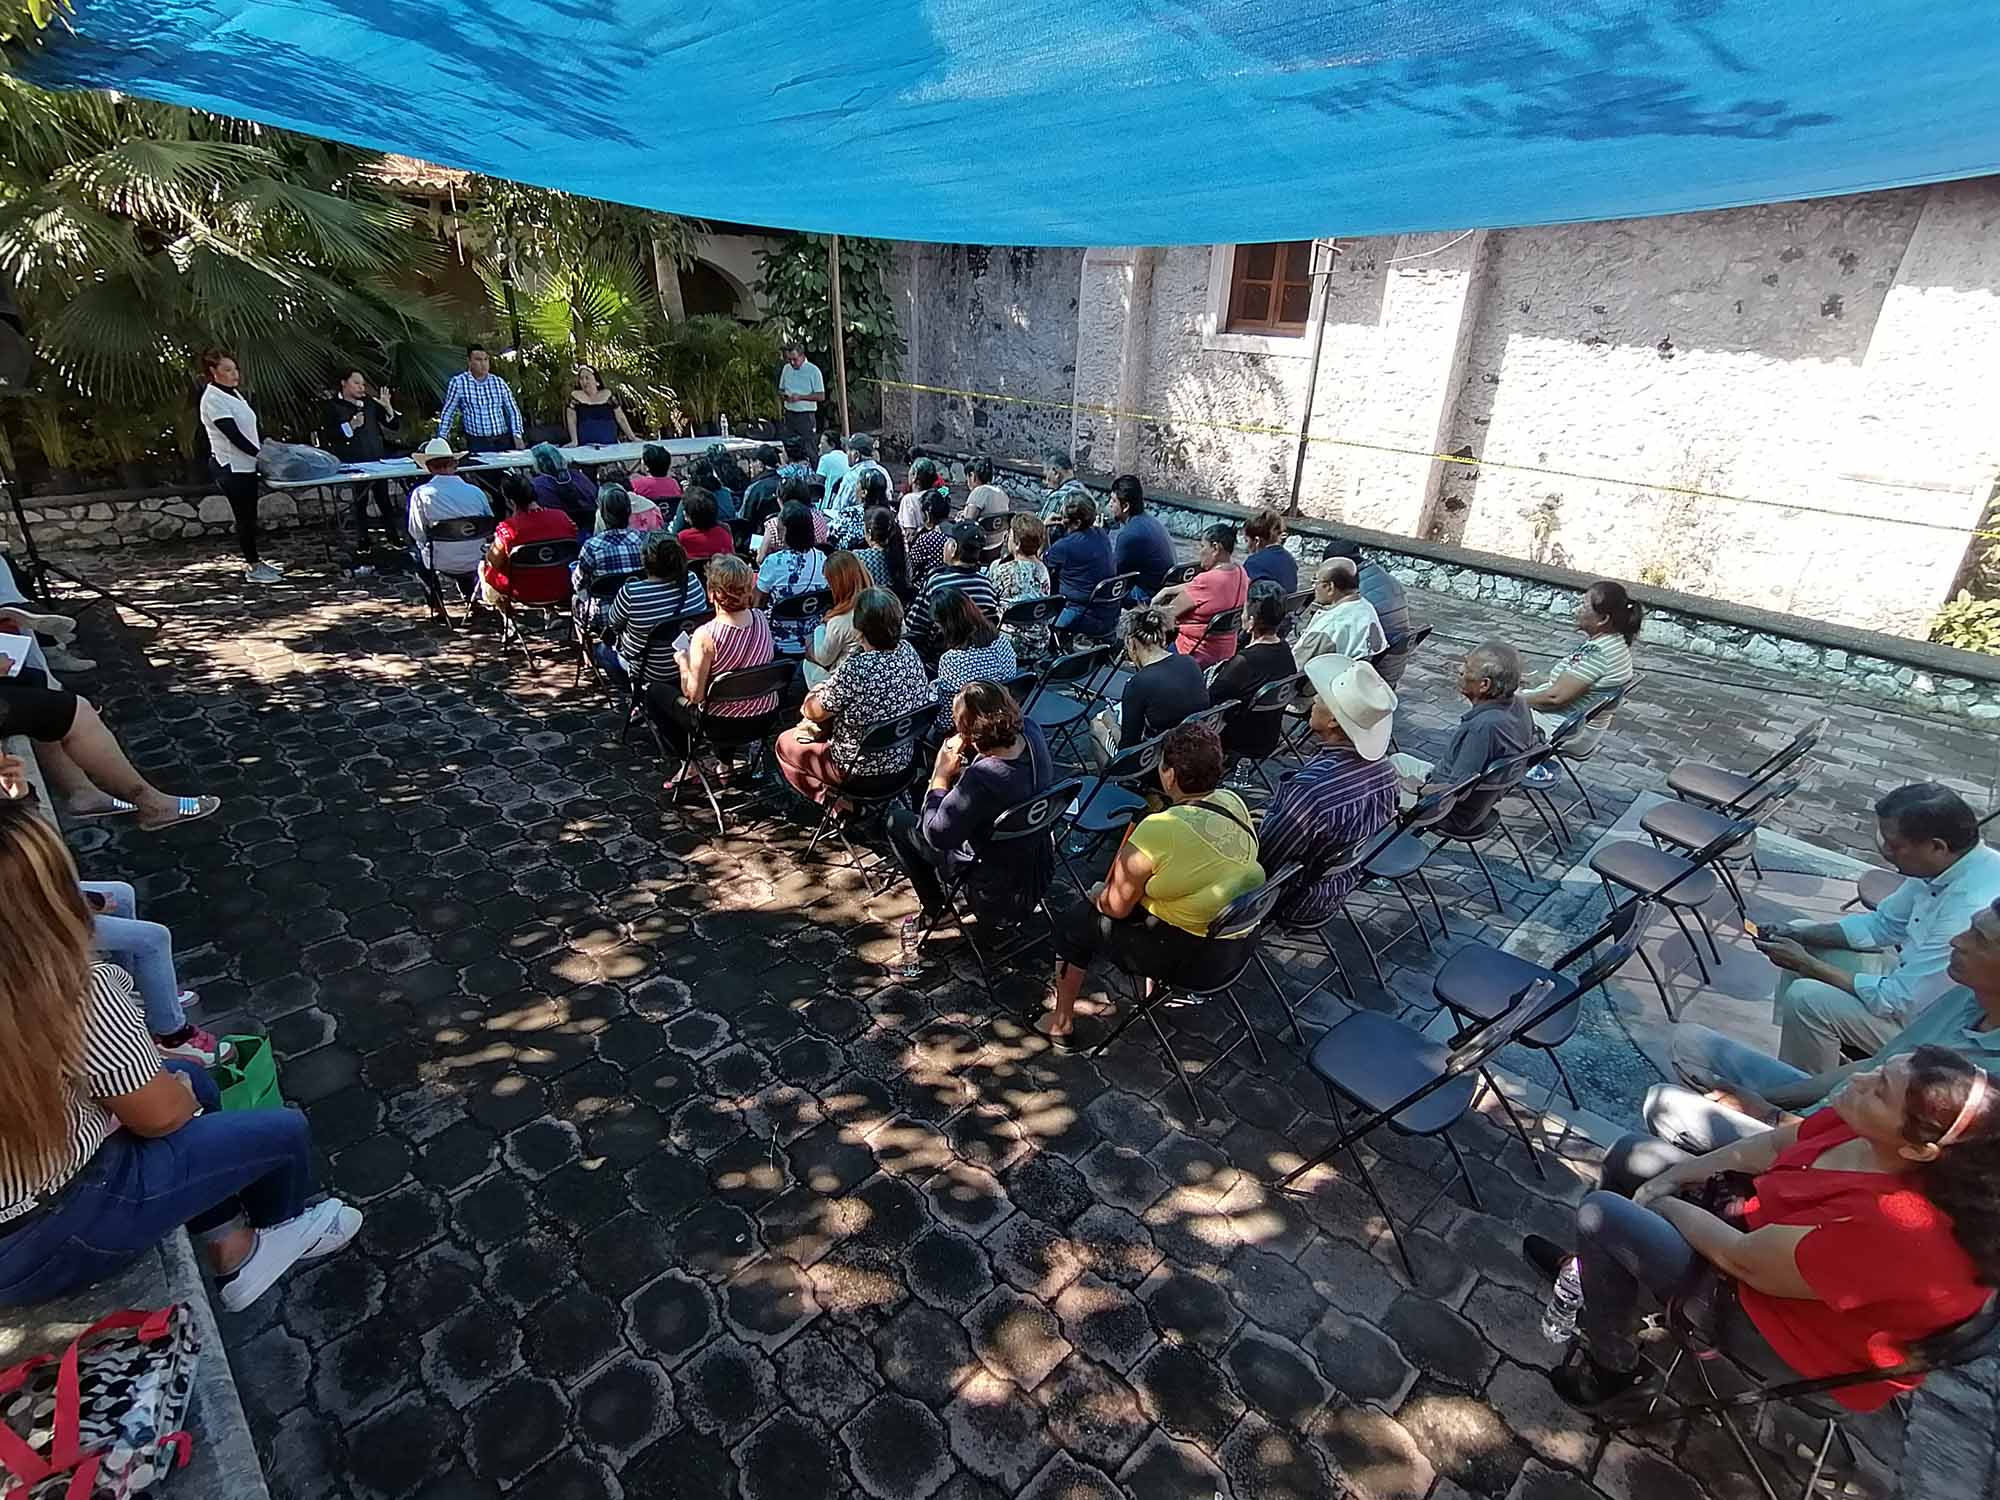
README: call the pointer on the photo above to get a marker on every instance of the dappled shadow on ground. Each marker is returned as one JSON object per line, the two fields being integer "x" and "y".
{"x": 674, "y": 1187}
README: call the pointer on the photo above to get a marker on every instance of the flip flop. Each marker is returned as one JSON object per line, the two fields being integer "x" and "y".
{"x": 186, "y": 810}
{"x": 118, "y": 808}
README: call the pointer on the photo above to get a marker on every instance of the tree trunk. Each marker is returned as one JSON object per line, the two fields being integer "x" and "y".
{"x": 667, "y": 278}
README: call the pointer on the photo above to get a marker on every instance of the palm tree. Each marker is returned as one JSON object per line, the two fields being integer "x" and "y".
{"x": 138, "y": 233}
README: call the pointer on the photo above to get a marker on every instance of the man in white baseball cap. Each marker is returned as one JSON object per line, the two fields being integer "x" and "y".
{"x": 1343, "y": 795}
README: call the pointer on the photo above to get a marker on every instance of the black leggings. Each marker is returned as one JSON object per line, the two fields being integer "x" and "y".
{"x": 240, "y": 490}
{"x": 1140, "y": 944}
{"x": 378, "y": 491}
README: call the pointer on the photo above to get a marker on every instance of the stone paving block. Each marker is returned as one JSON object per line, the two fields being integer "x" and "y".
{"x": 1033, "y": 1257}
{"x": 1347, "y": 1276}
{"x": 948, "y": 1269}
{"x": 1191, "y": 1307}
{"x": 273, "y": 1370}
{"x": 924, "y": 1353}
{"x": 1374, "y": 1453}
{"x": 1533, "y": 1412}
{"x": 1045, "y": 1187}
{"x": 1115, "y": 1245}
{"x": 627, "y": 1406}
{"x": 715, "y": 1240}
{"x": 667, "y": 1185}
{"x": 327, "y": 1299}
{"x": 909, "y": 1148}
{"x": 1187, "y": 1392}
{"x": 726, "y": 1389}
{"x": 570, "y": 1334}
{"x": 528, "y": 1271}
{"x": 820, "y": 1381}
{"x": 968, "y": 1198}
{"x": 892, "y": 1213}
{"x": 1064, "y": 1478}
{"x": 393, "y": 1453}
{"x": 1164, "y": 1469}
{"x": 1016, "y": 1337}
{"x": 1539, "y": 1482}
{"x": 1362, "y": 1361}
{"x": 996, "y": 1431}
{"x": 1627, "y": 1472}
{"x": 1512, "y": 1320}
{"x": 1464, "y": 1437}
{"x": 1190, "y": 1229}
{"x": 364, "y": 1369}
{"x": 1276, "y": 1377}
{"x": 897, "y": 1449}
{"x": 790, "y": 1458}
{"x": 514, "y": 1427}
{"x": 1126, "y": 1121}
{"x": 855, "y": 1284}
{"x": 1105, "y": 1321}
{"x": 468, "y": 1354}
{"x": 1438, "y": 1341}
{"x": 1273, "y": 1463}
{"x": 1121, "y": 1175}
{"x": 622, "y": 1255}
{"x": 1092, "y": 1411}
{"x": 1273, "y": 1292}
{"x": 769, "y": 1301}
{"x": 671, "y": 1317}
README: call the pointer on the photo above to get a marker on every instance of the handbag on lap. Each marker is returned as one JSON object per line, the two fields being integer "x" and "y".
{"x": 107, "y": 1418}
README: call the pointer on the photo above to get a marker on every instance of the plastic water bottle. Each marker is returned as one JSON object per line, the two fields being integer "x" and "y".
{"x": 912, "y": 964}
{"x": 722, "y": 423}
{"x": 1565, "y": 1297}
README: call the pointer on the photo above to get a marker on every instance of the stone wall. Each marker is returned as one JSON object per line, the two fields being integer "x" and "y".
{"x": 98, "y": 523}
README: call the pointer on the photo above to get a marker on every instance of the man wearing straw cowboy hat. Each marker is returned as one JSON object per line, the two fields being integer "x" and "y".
{"x": 445, "y": 496}
{"x": 1342, "y": 795}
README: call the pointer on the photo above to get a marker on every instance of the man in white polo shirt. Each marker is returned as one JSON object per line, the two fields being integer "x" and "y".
{"x": 801, "y": 389}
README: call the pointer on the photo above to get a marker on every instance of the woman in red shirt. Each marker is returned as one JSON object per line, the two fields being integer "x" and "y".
{"x": 1221, "y": 585}
{"x": 528, "y": 520}
{"x": 1870, "y": 1224}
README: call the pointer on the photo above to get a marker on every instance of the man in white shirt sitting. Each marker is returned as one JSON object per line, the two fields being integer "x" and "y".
{"x": 445, "y": 496}
{"x": 1343, "y": 623}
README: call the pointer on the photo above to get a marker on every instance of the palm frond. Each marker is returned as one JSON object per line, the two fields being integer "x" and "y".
{"x": 161, "y": 179}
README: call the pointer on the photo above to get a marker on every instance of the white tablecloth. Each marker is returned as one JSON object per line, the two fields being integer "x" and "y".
{"x": 514, "y": 458}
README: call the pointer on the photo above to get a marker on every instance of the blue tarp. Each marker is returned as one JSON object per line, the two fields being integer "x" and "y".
{"x": 1102, "y": 121}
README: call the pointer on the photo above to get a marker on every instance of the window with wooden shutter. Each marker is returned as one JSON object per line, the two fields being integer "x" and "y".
{"x": 1270, "y": 288}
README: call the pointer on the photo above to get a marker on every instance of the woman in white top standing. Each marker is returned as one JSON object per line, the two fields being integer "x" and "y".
{"x": 231, "y": 426}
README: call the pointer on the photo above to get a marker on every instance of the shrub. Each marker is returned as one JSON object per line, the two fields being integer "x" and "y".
{"x": 1969, "y": 624}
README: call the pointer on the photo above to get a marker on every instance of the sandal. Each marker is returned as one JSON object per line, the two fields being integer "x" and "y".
{"x": 186, "y": 810}
{"x": 118, "y": 808}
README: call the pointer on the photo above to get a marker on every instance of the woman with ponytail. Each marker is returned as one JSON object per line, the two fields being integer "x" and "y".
{"x": 1609, "y": 619}
{"x": 1868, "y": 1225}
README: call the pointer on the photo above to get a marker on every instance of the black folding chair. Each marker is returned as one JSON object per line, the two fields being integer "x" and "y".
{"x": 1401, "y": 1077}
{"x": 1178, "y": 574}
{"x": 1961, "y": 1344}
{"x": 993, "y": 532}
{"x": 656, "y": 664}
{"x": 454, "y": 529}
{"x": 1677, "y": 882}
{"x": 1479, "y": 982}
{"x": 716, "y": 734}
{"x": 1397, "y": 855}
{"x": 1224, "y": 622}
{"x": 1060, "y": 712}
{"x": 805, "y": 607}
{"x": 1027, "y": 621}
{"x": 1293, "y": 606}
{"x": 532, "y": 562}
{"x": 586, "y": 611}
{"x": 1213, "y": 715}
{"x": 1036, "y": 816}
{"x": 1725, "y": 790}
{"x": 1339, "y": 863}
{"x": 1108, "y": 802}
{"x": 870, "y": 794}
{"x": 1235, "y": 933}
{"x": 1579, "y": 737}
{"x": 1111, "y": 593}
{"x": 1687, "y": 826}
{"x": 1502, "y": 776}
{"x": 1268, "y": 703}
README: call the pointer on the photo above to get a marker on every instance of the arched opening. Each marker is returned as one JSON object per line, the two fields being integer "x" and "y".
{"x": 704, "y": 289}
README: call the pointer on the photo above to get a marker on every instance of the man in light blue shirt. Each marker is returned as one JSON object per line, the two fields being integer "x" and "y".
{"x": 1859, "y": 981}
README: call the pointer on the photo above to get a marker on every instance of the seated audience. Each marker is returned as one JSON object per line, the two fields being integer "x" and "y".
{"x": 1593, "y": 673}
{"x": 958, "y": 568}
{"x": 832, "y": 466}
{"x": 445, "y": 496}
{"x": 1381, "y": 588}
{"x": 1496, "y": 727}
{"x": 561, "y": 487}
{"x": 848, "y": 507}
{"x": 1221, "y": 585}
{"x": 81, "y": 759}
{"x": 1267, "y": 659}
{"x": 1022, "y": 574}
{"x": 1862, "y": 1229}
{"x": 994, "y": 759}
{"x": 798, "y": 462}
{"x": 1728, "y": 1090}
{"x": 987, "y": 498}
{"x": 913, "y": 513}
{"x": 1060, "y": 485}
{"x": 771, "y": 538}
{"x": 707, "y": 474}
{"x": 1163, "y": 690}
{"x": 836, "y": 638}
{"x": 1139, "y": 544}
{"x": 1268, "y": 558}
{"x": 614, "y": 551}
{"x": 1856, "y": 982}
{"x": 760, "y": 496}
{"x": 146, "y": 952}
{"x": 655, "y": 481}
{"x": 1346, "y": 793}
{"x": 1342, "y": 621}
{"x": 737, "y": 637}
{"x": 1078, "y": 561}
{"x": 972, "y": 649}
{"x": 666, "y": 590}
{"x": 105, "y": 1147}
{"x": 528, "y": 521}
{"x": 730, "y": 478}
{"x": 927, "y": 541}
{"x": 886, "y": 557}
{"x": 704, "y": 535}
{"x": 1175, "y": 873}
{"x": 798, "y": 567}
{"x": 883, "y": 679}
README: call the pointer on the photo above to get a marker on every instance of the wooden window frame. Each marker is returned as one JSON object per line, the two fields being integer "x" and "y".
{"x": 1291, "y": 266}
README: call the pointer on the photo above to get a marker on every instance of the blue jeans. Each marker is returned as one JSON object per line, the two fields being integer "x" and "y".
{"x": 606, "y": 656}
{"x": 134, "y": 1192}
{"x": 146, "y": 949}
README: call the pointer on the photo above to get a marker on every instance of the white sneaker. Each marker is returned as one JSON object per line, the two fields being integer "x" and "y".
{"x": 60, "y": 660}
{"x": 262, "y": 573}
{"x": 57, "y": 627}
{"x": 319, "y": 1231}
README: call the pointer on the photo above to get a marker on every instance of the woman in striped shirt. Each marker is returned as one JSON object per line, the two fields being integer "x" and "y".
{"x": 737, "y": 637}
{"x": 668, "y": 590}
{"x": 1609, "y": 619}
{"x": 105, "y": 1149}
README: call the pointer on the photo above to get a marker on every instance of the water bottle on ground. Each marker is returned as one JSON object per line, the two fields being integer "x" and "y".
{"x": 1565, "y": 1297}
{"x": 912, "y": 961}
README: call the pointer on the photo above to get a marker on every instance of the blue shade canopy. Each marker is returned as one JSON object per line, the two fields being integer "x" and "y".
{"x": 1067, "y": 122}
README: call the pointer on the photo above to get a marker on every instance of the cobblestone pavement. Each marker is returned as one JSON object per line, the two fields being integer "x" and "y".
{"x": 671, "y": 1191}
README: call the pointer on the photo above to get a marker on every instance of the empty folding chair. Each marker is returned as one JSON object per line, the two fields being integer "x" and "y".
{"x": 1063, "y": 702}
{"x": 1397, "y": 855}
{"x": 870, "y": 795}
{"x": 1503, "y": 776}
{"x": 1397, "y": 1076}
{"x": 716, "y": 733}
{"x": 1479, "y": 982}
{"x": 1713, "y": 786}
{"x": 1109, "y": 800}
{"x": 1688, "y": 826}
{"x": 1234, "y": 935}
{"x": 1676, "y": 881}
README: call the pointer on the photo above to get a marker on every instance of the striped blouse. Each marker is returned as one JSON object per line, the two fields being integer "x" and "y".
{"x": 648, "y": 602}
{"x": 735, "y": 646}
{"x": 118, "y": 1057}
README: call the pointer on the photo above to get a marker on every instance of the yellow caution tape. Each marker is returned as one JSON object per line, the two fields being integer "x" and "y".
{"x": 1258, "y": 429}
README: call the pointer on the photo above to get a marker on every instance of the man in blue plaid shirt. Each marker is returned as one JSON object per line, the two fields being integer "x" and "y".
{"x": 481, "y": 401}
{"x": 616, "y": 551}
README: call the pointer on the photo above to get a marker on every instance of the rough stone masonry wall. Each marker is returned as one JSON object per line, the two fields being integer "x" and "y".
{"x": 99, "y": 523}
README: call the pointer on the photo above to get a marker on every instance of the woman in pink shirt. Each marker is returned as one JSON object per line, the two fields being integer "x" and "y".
{"x": 657, "y": 483}
{"x": 1220, "y": 585}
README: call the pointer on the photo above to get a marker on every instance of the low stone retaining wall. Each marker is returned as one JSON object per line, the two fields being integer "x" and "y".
{"x": 105, "y": 522}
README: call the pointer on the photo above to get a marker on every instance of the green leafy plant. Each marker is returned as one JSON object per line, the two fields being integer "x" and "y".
{"x": 1969, "y": 624}
{"x": 720, "y": 366}
{"x": 795, "y": 288}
